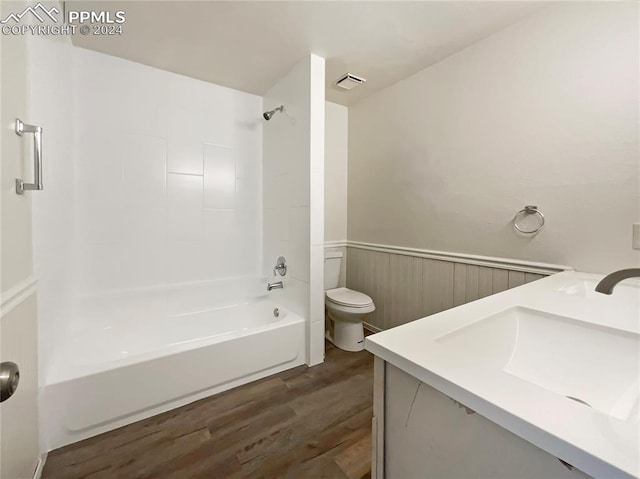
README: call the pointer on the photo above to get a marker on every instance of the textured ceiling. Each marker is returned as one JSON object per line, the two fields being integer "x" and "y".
{"x": 249, "y": 45}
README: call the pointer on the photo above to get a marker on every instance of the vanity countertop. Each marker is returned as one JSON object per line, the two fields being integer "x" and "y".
{"x": 527, "y": 359}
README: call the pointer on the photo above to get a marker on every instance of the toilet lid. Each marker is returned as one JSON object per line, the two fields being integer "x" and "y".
{"x": 348, "y": 297}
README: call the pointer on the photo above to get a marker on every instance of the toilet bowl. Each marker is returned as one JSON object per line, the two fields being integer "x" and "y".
{"x": 345, "y": 308}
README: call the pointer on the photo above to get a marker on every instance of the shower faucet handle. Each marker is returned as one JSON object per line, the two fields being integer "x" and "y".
{"x": 281, "y": 266}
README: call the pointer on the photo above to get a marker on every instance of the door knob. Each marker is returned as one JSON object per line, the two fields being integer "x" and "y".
{"x": 9, "y": 379}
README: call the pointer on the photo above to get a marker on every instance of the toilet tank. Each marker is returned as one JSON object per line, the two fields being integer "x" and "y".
{"x": 332, "y": 262}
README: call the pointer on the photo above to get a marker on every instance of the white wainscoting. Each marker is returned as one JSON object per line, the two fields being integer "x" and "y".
{"x": 408, "y": 283}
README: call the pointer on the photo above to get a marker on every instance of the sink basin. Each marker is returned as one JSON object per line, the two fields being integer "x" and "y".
{"x": 595, "y": 365}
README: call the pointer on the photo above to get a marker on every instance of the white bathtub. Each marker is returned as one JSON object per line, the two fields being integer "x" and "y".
{"x": 135, "y": 355}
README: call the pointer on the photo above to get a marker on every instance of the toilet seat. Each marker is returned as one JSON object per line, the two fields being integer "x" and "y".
{"x": 348, "y": 298}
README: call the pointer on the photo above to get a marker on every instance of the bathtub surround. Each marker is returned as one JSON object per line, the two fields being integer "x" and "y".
{"x": 156, "y": 192}
{"x": 157, "y": 182}
{"x": 544, "y": 112}
{"x": 294, "y": 195}
{"x": 180, "y": 196}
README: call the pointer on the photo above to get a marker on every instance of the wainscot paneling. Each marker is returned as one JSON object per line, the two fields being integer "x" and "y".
{"x": 406, "y": 287}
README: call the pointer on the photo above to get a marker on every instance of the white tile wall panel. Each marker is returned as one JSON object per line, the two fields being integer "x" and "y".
{"x": 165, "y": 149}
{"x": 219, "y": 177}
{"x": 144, "y": 171}
{"x": 184, "y": 207}
{"x": 293, "y": 209}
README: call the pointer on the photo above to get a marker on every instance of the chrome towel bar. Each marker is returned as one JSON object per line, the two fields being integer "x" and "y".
{"x": 22, "y": 128}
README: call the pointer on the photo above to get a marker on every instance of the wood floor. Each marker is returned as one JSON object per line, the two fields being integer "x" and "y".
{"x": 303, "y": 423}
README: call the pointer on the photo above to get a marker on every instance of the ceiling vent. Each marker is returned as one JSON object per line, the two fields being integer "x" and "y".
{"x": 349, "y": 81}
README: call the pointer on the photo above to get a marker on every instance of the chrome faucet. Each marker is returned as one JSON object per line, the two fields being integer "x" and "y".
{"x": 277, "y": 285}
{"x": 606, "y": 285}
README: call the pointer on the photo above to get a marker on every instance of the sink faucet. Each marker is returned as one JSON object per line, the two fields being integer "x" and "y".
{"x": 606, "y": 285}
{"x": 277, "y": 285}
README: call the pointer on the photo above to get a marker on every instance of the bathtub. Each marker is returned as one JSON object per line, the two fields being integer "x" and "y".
{"x": 134, "y": 355}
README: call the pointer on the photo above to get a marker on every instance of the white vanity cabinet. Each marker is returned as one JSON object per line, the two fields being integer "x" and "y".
{"x": 540, "y": 381}
{"x": 421, "y": 433}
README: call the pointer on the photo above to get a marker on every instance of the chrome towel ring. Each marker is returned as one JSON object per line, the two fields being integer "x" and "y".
{"x": 525, "y": 212}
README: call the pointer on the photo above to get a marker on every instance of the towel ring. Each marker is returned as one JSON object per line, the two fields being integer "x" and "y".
{"x": 526, "y": 211}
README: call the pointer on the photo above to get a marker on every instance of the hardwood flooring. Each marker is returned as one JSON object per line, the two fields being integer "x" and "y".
{"x": 302, "y": 423}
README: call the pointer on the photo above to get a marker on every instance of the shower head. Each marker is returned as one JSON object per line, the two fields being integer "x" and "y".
{"x": 268, "y": 114}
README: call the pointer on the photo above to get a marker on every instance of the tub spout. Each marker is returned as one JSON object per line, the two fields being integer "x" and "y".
{"x": 277, "y": 285}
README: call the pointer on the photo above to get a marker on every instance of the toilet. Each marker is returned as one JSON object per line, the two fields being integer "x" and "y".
{"x": 345, "y": 308}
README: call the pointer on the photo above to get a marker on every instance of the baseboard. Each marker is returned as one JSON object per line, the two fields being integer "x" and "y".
{"x": 370, "y": 327}
{"x": 37, "y": 474}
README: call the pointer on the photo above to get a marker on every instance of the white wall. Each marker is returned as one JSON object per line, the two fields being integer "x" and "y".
{"x": 18, "y": 311}
{"x": 293, "y": 182}
{"x": 51, "y": 106}
{"x": 544, "y": 112}
{"x": 335, "y": 172}
{"x": 168, "y": 177}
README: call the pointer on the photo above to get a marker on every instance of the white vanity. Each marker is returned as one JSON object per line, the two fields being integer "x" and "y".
{"x": 540, "y": 381}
